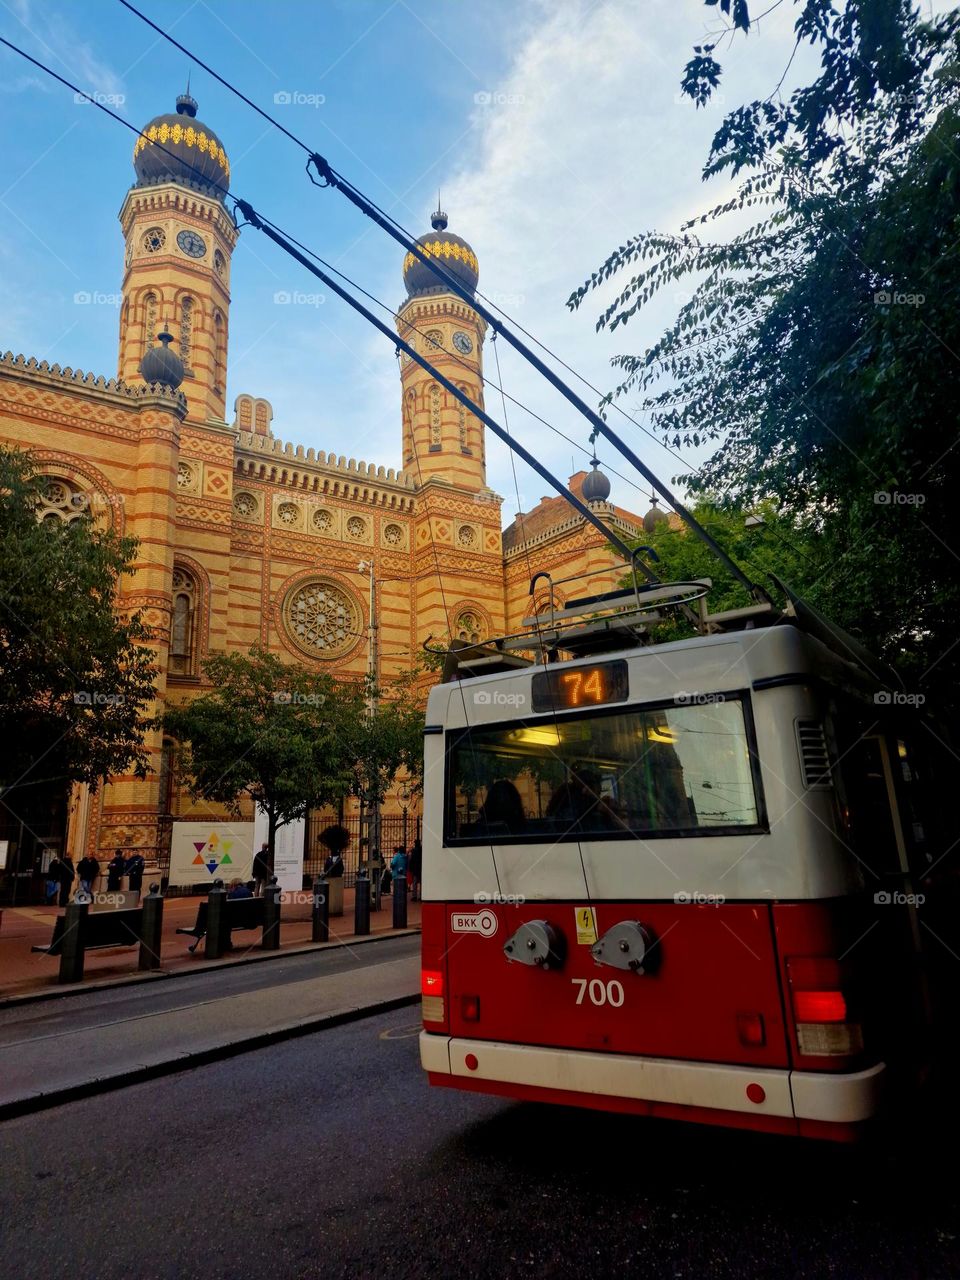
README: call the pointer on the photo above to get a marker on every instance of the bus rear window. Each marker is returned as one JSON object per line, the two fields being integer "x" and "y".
{"x": 645, "y": 771}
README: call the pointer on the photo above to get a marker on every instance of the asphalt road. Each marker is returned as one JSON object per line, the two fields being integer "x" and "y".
{"x": 330, "y": 1156}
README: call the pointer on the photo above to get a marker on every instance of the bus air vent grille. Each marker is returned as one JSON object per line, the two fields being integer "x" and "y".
{"x": 814, "y": 758}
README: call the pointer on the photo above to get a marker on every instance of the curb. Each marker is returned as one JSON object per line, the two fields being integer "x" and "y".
{"x": 209, "y": 966}
{"x": 202, "y": 1058}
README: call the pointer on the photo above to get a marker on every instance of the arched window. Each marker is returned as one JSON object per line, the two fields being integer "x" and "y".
{"x": 183, "y": 624}
{"x": 469, "y": 626}
{"x": 186, "y": 332}
{"x": 149, "y": 320}
{"x": 436, "y": 437}
{"x": 219, "y": 353}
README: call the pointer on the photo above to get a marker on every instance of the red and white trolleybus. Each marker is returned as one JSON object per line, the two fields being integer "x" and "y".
{"x": 674, "y": 879}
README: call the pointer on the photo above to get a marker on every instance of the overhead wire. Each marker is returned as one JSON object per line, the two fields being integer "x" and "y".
{"x": 328, "y": 176}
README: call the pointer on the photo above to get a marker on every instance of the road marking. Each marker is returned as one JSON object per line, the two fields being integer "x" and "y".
{"x": 401, "y": 1033}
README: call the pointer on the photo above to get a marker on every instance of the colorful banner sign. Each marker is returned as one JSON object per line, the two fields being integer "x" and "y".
{"x": 201, "y": 852}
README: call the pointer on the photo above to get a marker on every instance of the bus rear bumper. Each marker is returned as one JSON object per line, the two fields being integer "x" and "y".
{"x": 842, "y": 1098}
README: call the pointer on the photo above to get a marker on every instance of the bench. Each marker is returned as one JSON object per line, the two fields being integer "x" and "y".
{"x": 101, "y": 929}
{"x": 242, "y": 913}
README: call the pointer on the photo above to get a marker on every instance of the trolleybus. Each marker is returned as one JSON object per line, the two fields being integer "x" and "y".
{"x": 681, "y": 879}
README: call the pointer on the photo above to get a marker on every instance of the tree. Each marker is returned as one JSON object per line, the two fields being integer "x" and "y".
{"x": 278, "y": 734}
{"x": 818, "y": 352}
{"x": 761, "y": 540}
{"x": 75, "y": 677}
{"x": 388, "y": 738}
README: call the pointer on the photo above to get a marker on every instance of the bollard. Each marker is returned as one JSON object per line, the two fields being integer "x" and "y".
{"x": 361, "y": 905}
{"x": 151, "y": 929}
{"x": 271, "y": 917}
{"x": 321, "y": 911}
{"x": 218, "y": 927}
{"x": 74, "y": 934}
{"x": 400, "y": 901}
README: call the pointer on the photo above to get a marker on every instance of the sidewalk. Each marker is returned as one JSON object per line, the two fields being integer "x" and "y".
{"x": 58, "y": 1051}
{"x": 24, "y": 973}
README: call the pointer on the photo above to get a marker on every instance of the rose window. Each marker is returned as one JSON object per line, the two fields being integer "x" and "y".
{"x": 466, "y": 536}
{"x": 322, "y": 619}
{"x": 245, "y": 504}
{"x": 393, "y": 535}
{"x": 154, "y": 239}
{"x": 288, "y": 513}
{"x": 323, "y": 520}
{"x": 61, "y": 501}
{"x": 468, "y": 627}
{"x": 356, "y": 527}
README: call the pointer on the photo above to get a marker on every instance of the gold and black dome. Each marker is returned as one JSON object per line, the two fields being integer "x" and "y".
{"x": 180, "y": 148}
{"x": 450, "y": 251}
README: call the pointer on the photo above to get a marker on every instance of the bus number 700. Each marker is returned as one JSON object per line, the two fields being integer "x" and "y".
{"x": 599, "y": 993}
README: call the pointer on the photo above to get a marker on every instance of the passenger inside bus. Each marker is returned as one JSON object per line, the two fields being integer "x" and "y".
{"x": 502, "y": 811}
{"x": 578, "y": 801}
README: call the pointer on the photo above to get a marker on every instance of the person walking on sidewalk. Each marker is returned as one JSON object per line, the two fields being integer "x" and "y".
{"x": 115, "y": 872}
{"x": 66, "y": 873}
{"x": 416, "y": 863}
{"x": 88, "y": 873}
{"x": 398, "y": 863}
{"x": 133, "y": 868}
{"x": 262, "y": 870}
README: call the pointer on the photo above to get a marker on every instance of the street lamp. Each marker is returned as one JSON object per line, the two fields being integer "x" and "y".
{"x": 372, "y": 810}
{"x": 403, "y": 795}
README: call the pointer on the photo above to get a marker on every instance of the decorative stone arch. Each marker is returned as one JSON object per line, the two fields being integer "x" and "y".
{"x": 149, "y": 310}
{"x": 197, "y": 623}
{"x": 107, "y": 501}
{"x": 469, "y": 621}
{"x": 188, "y": 321}
{"x": 295, "y": 615}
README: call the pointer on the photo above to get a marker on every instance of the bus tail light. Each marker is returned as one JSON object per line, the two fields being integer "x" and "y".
{"x": 431, "y": 989}
{"x": 470, "y": 1008}
{"x": 821, "y": 1011}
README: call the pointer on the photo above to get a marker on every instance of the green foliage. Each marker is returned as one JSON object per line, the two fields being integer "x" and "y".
{"x": 772, "y": 543}
{"x": 75, "y": 678}
{"x": 819, "y": 350}
{"x": 292, "y": 739}
{"x": 385, "y": 740}
{"x": 278, "y": 734}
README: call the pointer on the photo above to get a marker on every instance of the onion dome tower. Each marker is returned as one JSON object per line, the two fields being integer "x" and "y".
{"x": 179, "y": 241}
{"x": 180, "y": 148}
{"x": 442, "y": 439}
{"x": 451, "y": 251}
{"x": 596, "y": 486}
{"x": 654, "y": 516}
{"x": 161, "y": 365}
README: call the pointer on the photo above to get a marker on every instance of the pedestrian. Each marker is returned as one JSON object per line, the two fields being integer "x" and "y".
{"x": 88, "y": 873}
{"x": 398, "y": 863}
{"x": 115, "y": 872}
{"x": 262, "y": 870}
{"x": 237, "y": 889}
{"x": 52, "y": 882}
{"x": 133, "y": 868}
{"x": 66, "y": 874}
{"x": 416, "y": 863}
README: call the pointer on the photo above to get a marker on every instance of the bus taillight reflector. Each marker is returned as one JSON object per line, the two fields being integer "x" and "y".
{"x": 431, "y": 982}
{"x": 470, "y": 1008}
{"x": 431, "y": 988}
{"x": 819, "y": 1006}
{"x": 821, "y": 1010}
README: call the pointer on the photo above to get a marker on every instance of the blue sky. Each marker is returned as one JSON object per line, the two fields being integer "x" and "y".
{"x": 554, "y": 130}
